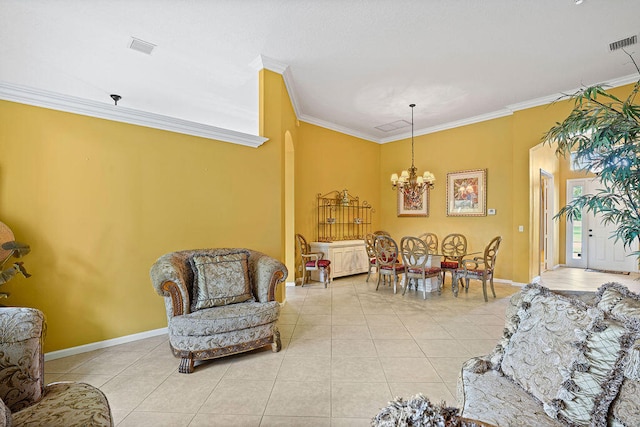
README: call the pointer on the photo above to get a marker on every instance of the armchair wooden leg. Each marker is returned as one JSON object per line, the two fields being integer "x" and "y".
{"x": 484, "y": 290}
{"x": 276, "y": 346}
{"x": 186, "y": 365}
{"x": 493, "y": 291}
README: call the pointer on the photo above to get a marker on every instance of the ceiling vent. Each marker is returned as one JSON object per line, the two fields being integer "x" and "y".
{"x": 623, "y": 43}
{"x": 398, "y": 124}
{"x": 141, "y": 46}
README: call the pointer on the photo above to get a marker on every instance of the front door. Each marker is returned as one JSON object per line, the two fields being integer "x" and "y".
{"x": 592, "y": 241}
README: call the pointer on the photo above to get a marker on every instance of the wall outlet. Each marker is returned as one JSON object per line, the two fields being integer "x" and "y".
{"x": 491, "y": 211}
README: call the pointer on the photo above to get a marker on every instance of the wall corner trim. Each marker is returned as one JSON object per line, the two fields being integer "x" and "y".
{"x": 101, "y": 110}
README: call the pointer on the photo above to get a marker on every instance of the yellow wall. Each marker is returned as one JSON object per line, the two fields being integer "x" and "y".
{"x": 278, "y": 122}
{"x": 478, "y": 146}
{"x": 99, "y": 201}
{"x": 327, "y": 160}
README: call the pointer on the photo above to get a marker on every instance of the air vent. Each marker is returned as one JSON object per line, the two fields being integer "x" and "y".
{"x": 399, "y": 124}
{"x": 623, "y": 43}
{"x": 141, "y": 46}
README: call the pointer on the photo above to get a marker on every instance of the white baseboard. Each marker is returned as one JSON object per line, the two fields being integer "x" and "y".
{"x": 290, "y": 283}
{"x": 519, "y": 284}
{"x": 103, "y": 344}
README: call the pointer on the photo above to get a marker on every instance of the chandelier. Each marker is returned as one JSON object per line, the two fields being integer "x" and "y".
{"x": 409, "y": 182}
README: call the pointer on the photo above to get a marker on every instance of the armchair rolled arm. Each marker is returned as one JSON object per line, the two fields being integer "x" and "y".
{"x": 170, "y": 276}
{"x": 266, "y": 273}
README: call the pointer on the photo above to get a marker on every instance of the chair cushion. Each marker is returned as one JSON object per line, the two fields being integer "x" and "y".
{"x": 322, "y": 263}
{"x": 220, "y": 279}
{"x": 494, "y": 399}
{"x": 479, "y": 272}
{"x": 226, "y": 318}
{"x": 427, "y": 270}
{"x": 398, "y": 267}
{"x": 449, "y": 264}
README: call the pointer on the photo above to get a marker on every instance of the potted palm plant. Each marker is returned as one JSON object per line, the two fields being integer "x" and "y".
{"x": 603, "y": 131}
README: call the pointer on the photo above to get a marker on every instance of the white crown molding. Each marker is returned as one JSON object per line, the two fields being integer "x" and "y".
{"x": 337, "y": 128}
{"x": 85, "y": 107}
{"x": 268, "y": 63}
{"x": 507, "y": 111}
{"x": 450, "y": 125}
{"x": 537, "y": 102}
{"x": 264, "y": 62}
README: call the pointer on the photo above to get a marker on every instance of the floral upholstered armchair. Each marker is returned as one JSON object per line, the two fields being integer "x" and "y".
{"x": 218, "y": 302}
{"x": 25, "y": 400}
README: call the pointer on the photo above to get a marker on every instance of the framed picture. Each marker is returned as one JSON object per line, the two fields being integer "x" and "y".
{"x": 467, "y": 193}
{"x": 413, "y": 204}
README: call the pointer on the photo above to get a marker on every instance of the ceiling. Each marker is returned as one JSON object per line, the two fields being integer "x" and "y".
{"x": 352, "y": 64}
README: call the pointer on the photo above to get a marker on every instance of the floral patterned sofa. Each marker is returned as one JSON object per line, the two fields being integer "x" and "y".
{"x": 563, "y": 360}
{"x": 218, "y": 301}
{"x": 25, "y": 400}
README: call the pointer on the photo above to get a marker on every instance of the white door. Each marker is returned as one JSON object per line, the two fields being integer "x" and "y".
{"x": 602, "y": 251}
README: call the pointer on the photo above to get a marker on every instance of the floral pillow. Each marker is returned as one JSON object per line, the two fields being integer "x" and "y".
{"x": 569, "y": 355}
{"x": 220, "y": 279}
{"x": 541, "y": 347}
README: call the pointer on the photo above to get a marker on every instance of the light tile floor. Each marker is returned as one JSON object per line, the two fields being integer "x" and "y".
{"x": 347, "y": 351}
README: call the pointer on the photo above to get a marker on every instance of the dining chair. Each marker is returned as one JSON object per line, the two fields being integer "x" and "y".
{"x": 312, "y": 261}
{"x": 381, "y": 233}
{"x": 454, "y": 248}
{"x": 415, "y": 257}
{"x": 370, "y": 243}
{"x": 480, "y": 268}
{"x": 431, "y": 239}
{"x": 389, "y": 265}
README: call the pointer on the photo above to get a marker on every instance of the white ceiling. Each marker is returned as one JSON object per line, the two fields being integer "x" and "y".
{"x": 353, "y": 64}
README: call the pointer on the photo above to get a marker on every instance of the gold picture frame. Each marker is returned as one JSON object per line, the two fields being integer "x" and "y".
{"x": 417, "y": 205}
{"x": 467, "y": 193}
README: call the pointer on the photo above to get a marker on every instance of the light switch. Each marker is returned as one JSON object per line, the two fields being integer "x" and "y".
{"x": 491, "y": 211}
{"x": 521, "y": 228}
